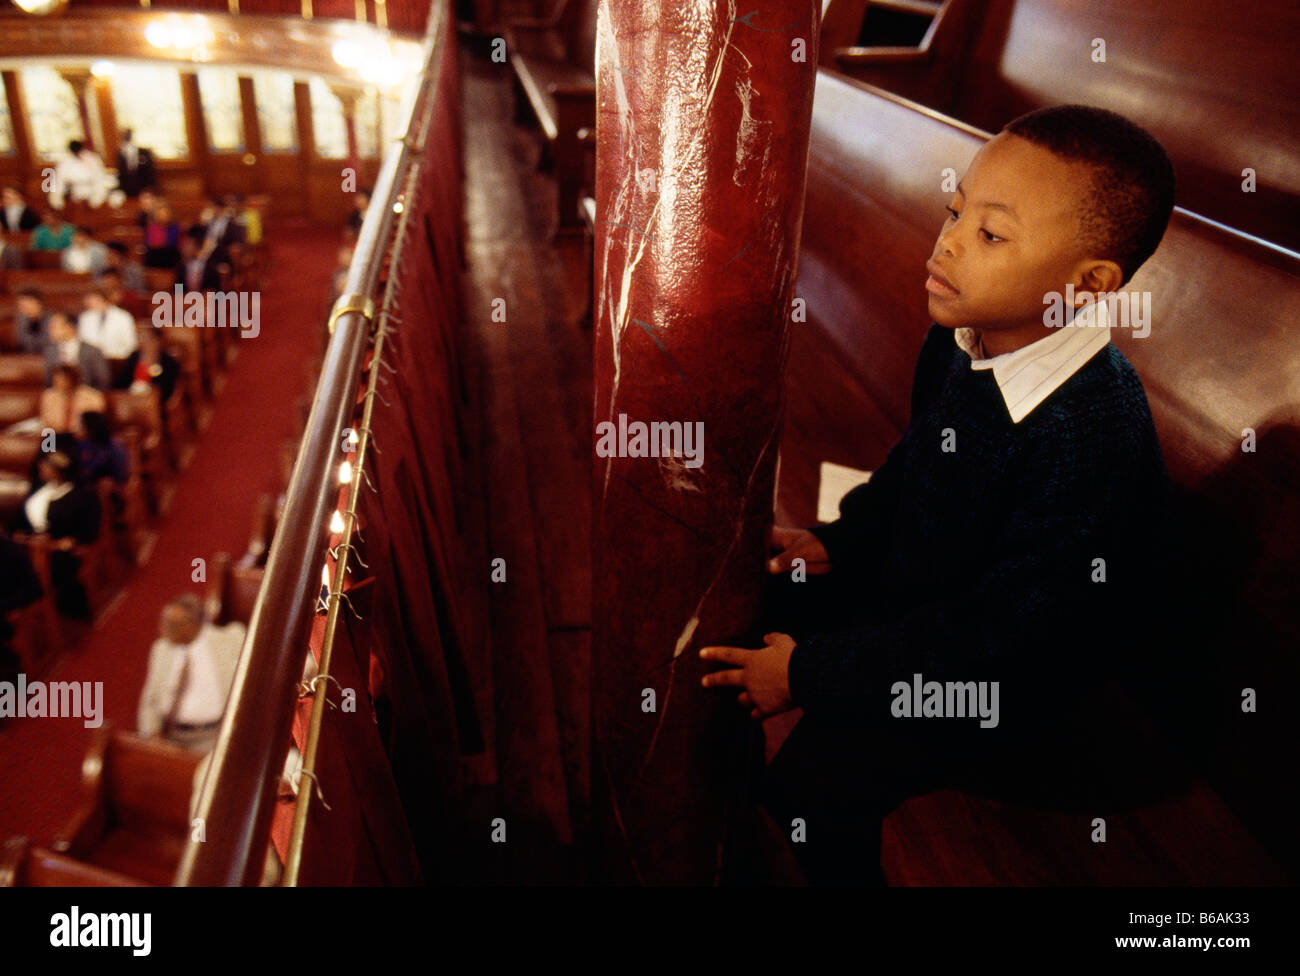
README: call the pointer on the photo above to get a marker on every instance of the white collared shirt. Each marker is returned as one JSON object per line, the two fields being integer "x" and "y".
{"x": 1029, "y": 375}
{"x": 37, "y": 506}
{"x": 112, "y": 331}
{"x": 213, "y": 657}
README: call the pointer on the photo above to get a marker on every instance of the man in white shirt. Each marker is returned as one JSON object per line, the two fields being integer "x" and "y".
{"x": 85, "y": 255}
{"x": 80, "y": 176}
{"x": 15, "y": 215}
{"x": 191, "y": 670}
{"x": 66, "y": 348}
{"x": 106, "y": 326}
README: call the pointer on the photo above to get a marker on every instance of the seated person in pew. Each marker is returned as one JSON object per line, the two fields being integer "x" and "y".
{"x": 130, "y": 272}
{"x": 191, "y": 669}
{"x": 162, "y": 236}
{"x": 32, "y": 322}
{"x": 107, "y": 327}
{"x": 84, "y": 255}
{"x": 249, "y": 219}
{"x": 66, "y": 348}
{"x": 220, "y": 229}
{"x": 67, "y": 400}
{"x": 54, "y": 233}
{"x": 13, "y": 255}
{"x": 357, "y": 217}
{"x": 1004, "y": 561}
{"x": 148, "y": 201}
{"x": 15, "y": 215}
{"x": 150, "y": 365}
{"x": 70, "y": 515}
{"x": 80, "y": 177}
{"x": 99, "y": 453}
{"x": 197, "y": 269}
{"x": 133, "y": 301}
{"x": 19, "y": 587}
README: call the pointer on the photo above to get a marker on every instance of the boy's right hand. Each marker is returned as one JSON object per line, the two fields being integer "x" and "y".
{"x": 792, "y": 544}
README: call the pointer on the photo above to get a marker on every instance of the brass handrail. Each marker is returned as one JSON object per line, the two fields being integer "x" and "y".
{"x": 237, "y": 798}
{"x": 293, "y": 859}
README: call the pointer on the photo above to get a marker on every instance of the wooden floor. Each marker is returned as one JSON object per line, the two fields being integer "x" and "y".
{"x": 531, "y": 376}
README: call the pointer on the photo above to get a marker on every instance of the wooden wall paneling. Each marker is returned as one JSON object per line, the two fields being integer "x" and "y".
{"x": 18, "y": 168}
{"x": 196, "y": 133}
{"x": 106, "y": 141}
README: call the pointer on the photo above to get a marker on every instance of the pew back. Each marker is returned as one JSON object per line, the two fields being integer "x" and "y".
{"x": 1219, "y": 361}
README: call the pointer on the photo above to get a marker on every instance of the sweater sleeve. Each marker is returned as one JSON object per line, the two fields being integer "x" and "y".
{"x": 865, "y": 511}
{"x": 1033, "y": 604}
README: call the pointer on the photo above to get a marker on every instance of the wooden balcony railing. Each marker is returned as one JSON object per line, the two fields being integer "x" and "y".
{"x": 239, "y": 794}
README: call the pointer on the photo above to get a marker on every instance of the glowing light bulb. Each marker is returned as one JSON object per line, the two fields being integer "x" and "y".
{"x": 336, "y": 522}
{"x": 345, "y": 473}
{"x": 325, "y": 576}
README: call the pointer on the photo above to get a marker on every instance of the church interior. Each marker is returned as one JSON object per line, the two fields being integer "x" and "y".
{"x": 311, "y": 312}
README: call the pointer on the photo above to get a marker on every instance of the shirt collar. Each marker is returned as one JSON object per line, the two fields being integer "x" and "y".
{"x": 1029, "y": 375}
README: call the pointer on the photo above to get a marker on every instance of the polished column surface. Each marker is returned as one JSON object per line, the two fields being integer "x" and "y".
{"x": 703, "y": 115}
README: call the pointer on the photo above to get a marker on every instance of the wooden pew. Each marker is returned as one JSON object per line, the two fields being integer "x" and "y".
{"x": 22, "y": 370}
{"x": 142, "y": 412}
{"x": 261, "y": 532}
{"x": 1220, "y": 358}
{"x": 25, "y": 865}
{"x": 989, "y": 61}
{"x": 19, "y": 404}
{"x": 134, "y": 815}
{"x": 18, "y": 451}
{"x": 554, "y": 62}
{"x": 232, "y": 590}
{"x": 50, "y": 282}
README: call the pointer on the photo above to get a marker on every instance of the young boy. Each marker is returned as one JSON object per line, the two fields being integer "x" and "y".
{"x": 1001, "y": 560}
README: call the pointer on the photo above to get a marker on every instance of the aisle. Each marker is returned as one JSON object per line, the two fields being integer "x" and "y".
{"x": 236, "y": 460}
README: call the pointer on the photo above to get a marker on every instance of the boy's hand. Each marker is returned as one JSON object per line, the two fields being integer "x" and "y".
{"x": 795, "y": 544}
{"x": 764, "y": 674}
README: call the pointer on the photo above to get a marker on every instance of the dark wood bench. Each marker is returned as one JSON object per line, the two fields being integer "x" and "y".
{"x": 134, "y": 817}
{"x": 25, "y": 865}
{"x": 50, "y": 282}
{"x": 232, "y": 590}
{"x": 22, "y": 369}
{"x": 554, "y": 62}
{"x": 988, "y": 61}
{"x": 1219, "y": 358}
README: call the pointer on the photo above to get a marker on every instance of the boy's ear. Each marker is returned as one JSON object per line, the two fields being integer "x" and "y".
{"x": 1099, "y": 277}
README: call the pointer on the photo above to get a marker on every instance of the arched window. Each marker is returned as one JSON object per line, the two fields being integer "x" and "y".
{"x": 52, "y": 111}
{"x": 147, "y": 100}
{"x": 276, "y": 117}
{"x": 223, "y": 113}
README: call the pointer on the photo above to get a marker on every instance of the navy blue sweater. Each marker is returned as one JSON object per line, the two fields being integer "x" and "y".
{"x": 979, "y": 563}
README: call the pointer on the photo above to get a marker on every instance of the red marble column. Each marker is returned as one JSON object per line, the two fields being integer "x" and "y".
{"x": 703, "y": 113}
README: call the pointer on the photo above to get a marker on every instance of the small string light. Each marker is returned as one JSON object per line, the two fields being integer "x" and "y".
{"x": 336, "y": 522}
{"x": 345, "y": 473}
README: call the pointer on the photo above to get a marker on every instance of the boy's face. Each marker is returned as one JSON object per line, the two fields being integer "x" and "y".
{"x": 1014, "y": 238}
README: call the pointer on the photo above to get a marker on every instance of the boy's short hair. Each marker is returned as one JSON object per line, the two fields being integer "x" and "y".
{"x": 1132, "y": 198}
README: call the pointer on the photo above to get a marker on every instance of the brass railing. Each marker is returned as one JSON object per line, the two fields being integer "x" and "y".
{"x": 238, "y": 796}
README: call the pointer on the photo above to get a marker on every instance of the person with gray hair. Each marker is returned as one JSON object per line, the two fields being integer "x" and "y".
{"x": 191, "y": 669}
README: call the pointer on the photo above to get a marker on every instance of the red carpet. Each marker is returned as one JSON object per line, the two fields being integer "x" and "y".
{"x": 237, "y": 459}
